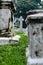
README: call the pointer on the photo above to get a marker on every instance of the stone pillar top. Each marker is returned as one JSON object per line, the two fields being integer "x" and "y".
{"x": 36, "y": 16}
{"x": 7, "y": 4}
{"x": 6, "y": 0}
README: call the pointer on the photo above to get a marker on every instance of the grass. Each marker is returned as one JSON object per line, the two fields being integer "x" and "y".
{"x": 14, "y": 54}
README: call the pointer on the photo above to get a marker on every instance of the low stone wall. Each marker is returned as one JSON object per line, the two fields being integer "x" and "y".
{"x": 9, "y": 40}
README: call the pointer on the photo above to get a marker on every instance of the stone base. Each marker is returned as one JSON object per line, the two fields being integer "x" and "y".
{"x": 33, "y": 61}
{"x": 9, "y": 40}
{"x": 5, "y": 34}
{"x": 37, "y": 61}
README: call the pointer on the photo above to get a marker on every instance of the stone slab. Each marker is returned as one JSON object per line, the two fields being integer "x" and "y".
{"x": 16, "y": 38}
{"x": 9, "y": 40}
{"x": 4, "y": 18}
{"x": 35, "y": 61}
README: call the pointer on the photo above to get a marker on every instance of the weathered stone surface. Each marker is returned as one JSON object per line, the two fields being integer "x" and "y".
{"x": 36, "y": 40}
{"x": 35, "y": 30}
{"x": 5, "y": 14}
{"x": 33, "y": 61}
{"x": 9, "y": 40}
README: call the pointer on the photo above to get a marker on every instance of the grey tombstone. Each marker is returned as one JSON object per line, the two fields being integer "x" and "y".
{"x": 35, "y": 33}
{"x": 7, "y": 23}
{"x": 6, "y": 17}
{"x": 21, "y": 22}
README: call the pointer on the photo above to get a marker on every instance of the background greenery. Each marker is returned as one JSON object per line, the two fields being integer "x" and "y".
{"x": 23, "y": 6}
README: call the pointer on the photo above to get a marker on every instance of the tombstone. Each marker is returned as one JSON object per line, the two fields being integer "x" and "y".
{"x": 7, "y": 10}
{"x": 6, "y": 17}
{"x": 35, "y": 34}
{"x": 21, "y": 22}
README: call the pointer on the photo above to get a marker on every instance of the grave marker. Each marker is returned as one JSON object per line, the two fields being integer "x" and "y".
{"x": 6, "y": 17}
{"x": 35, "y": 29}
{"x": 21, "y": 22}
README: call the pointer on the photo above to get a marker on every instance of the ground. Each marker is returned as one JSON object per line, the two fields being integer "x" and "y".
{"x": 14, "y": 54}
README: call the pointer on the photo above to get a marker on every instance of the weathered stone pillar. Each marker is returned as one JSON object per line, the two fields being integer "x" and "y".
{"x": 6, "y": 17}
{"x": 35, "y": 25}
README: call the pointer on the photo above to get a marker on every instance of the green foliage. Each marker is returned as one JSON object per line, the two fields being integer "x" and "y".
{"x": 37, "y": 1}
{"x": 24, "y": 6}
{"x": 14, "y": 54}
{"x": 42, "y": 4}
{"x": 17, "y": 23}
{"x": 20, "y": 33}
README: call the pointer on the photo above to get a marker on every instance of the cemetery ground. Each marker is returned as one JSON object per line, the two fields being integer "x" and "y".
{"x": 14, "y": 54}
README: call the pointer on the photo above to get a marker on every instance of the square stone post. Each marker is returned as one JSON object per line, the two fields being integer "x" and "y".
{"x": 35, "y": 33}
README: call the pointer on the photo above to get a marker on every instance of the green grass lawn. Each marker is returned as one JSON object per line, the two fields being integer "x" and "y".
{"x": 14, "y": 54}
